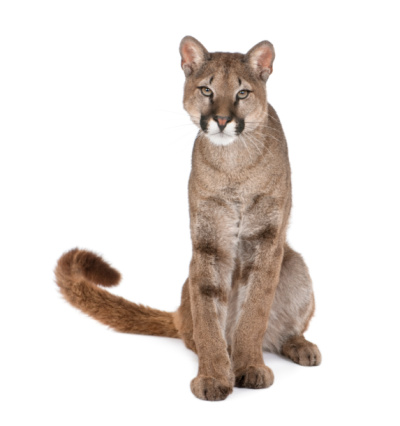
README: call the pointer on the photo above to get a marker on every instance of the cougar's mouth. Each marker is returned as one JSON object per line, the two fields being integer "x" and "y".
{"x": 221, "y": 130}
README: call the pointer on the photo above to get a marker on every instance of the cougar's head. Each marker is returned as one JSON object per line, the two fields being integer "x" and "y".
{"x": 225, "y": 93}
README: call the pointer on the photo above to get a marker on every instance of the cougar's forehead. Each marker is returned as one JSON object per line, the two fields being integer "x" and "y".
{"x": 225, "y": 70}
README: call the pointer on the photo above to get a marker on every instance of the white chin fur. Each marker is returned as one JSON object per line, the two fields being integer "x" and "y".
{"x": 221, "y": 138}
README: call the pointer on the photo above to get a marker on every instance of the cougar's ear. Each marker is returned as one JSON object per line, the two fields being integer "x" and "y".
{"x": 260, "y": 58}
{"x": 193, "y": 54}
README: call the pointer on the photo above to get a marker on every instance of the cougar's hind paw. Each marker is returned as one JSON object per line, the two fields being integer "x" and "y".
{"x": 302, "y": 352}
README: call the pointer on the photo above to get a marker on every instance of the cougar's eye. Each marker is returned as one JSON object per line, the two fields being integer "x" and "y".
{"x": 206, "y": 91}
{"x": 243, "y": 94}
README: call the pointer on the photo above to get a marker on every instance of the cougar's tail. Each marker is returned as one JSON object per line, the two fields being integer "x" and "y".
{"x": 78, "y": 274}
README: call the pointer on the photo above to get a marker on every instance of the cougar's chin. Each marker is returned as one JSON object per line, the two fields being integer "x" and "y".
{"x": 221, "y": 138}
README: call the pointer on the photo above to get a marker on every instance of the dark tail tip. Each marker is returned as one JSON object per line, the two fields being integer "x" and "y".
{"x": 90, "y": 265}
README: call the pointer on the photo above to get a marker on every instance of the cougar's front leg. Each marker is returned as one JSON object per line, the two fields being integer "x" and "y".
{"x": 209, "y": 281}
{"x": 263, "y": 241}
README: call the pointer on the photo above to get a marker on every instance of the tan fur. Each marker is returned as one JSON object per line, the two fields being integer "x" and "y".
{"x": 247, "y": 289}
{"x": 77, "y": 274}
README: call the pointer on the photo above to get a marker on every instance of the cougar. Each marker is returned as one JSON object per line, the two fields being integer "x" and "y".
{"x": 247, "y": 290}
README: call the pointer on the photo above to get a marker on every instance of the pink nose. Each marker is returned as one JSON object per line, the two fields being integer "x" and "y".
{"x": 222, "y": 121}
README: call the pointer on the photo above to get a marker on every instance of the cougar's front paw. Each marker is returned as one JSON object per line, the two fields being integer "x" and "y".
{"x": 301, "y": 351}
{"x": 210, "y": 388}
{"x": 254, "y": 377}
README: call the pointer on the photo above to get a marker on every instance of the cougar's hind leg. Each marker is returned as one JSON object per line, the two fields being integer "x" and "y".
{"x": 291, "y": 312}
{"x": 301, "y": 351}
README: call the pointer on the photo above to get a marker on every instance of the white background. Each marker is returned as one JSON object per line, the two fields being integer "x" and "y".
{"x": 95, "y": 152}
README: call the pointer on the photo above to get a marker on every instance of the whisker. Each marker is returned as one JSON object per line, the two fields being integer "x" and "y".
{"x": 263, "y": 125}
{"x": 183, "y": 113}
{"x": 263, "y": 121}
{"x": 267, "y": 133}
{"x": 254, "y": 143}
{"x": 271, "y": 136}
{"x": 244, "y": 143}
{"x": 179, "y": 125}
{"x": 273, "y": 118}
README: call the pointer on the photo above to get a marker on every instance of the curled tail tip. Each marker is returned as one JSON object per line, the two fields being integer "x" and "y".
{"x": 76, "y": 273}
{"x": 88, "y": 264}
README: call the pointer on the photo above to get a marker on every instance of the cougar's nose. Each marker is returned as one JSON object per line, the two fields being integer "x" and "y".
{"x": 222, "y": 121}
